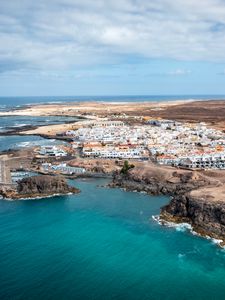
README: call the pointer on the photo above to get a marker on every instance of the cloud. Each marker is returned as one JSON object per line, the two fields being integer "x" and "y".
{"x": 67, "y": 34}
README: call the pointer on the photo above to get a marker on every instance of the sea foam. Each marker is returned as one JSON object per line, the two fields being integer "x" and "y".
{"x": 182, "y": 227}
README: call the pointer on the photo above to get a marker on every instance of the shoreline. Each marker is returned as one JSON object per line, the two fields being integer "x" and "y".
{"x": 175, "y": 222}
{"x": 189, "y": 111}
{"x": 197, "y": 200}
{"x": 170, "y": 221}
{"x": 151, "y": 179}
{"x": 37, "y": 187}
{"x": 187, "y": 227}
{"x": 36, "y": 198}
{"x": 141, "y": 187}
{"x": 25, "y": 109}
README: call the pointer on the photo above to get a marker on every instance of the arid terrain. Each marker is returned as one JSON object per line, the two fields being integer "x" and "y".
{"x": 198, "y": 196}
{"x": 211, "y": 112}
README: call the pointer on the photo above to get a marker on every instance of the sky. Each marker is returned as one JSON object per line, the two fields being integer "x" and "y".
{"x": 112, "y": 47}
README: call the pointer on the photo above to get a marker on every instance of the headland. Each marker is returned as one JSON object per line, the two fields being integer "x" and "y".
{"x": 175, "y": 148}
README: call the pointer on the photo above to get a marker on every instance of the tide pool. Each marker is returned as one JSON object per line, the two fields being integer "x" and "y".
{"x": 102, "y": 244}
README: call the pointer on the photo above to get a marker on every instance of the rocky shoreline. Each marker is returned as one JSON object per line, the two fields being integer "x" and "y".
{"x": 38, "y": 187}
{"x": 206, "y": 218}
{"x": 196, "y": 198}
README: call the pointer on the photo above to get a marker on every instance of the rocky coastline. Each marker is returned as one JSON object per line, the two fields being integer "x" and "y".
{"x": 22, "y": 131}
{"x": 197, "y": 198}
{"x": 157, "y": 180}
{"x": 38, "y": 187}
{"x": 206, "y": 217}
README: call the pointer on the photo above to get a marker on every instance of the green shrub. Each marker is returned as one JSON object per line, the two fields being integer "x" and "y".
{"x": 126, "y": 167}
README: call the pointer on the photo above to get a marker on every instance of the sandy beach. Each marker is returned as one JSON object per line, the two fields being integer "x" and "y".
{"x": 100, "y": 108}
{"x": 212, "y": 112}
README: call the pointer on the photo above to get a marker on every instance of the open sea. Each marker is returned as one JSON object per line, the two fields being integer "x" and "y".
{"x": 101, "y": 244}
{"x": 9, "y": 102}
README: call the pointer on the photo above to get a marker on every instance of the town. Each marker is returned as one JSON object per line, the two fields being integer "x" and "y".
{"x": 164, "y": 142}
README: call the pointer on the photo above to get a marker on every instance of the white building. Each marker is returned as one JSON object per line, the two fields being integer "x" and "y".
{"x": 108, "y": 124}
{"x": 115, "y": 152}
{"x": 52, "y": 151}
{"x": 63, "y": 168}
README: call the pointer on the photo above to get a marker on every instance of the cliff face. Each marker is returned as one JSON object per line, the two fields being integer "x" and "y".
{"x": 40, "y": 186}
{"x": 205, "y": 212}
{"x": 198, "y": 198}
{"x": 157, "y": 180}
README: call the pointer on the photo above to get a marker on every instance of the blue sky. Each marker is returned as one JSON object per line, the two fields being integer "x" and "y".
{"x": 71, "y": 47}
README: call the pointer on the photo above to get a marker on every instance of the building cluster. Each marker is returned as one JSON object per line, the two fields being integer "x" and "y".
{"x": 165, "y": 141}
{"x": 52, "y": 151}
{"x": 192, "y": 146}
{"x": 123, "y": 151}
{"x": 111, "y": 139}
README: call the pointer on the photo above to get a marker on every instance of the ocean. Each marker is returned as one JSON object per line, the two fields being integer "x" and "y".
{"x": 9, "y": 102}
{"x": 100, "y": 244}
{"x": 22, "y": 142}
{"x": 17, "y": 142}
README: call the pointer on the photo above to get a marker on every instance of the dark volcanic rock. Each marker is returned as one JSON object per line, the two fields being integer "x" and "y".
{"x": 197, "y": 198}
{"x": 44, "y": 185}
{"x": 39, "y": 186}
{"x": 154, "y": 183}
{"x": 205, "y": 215}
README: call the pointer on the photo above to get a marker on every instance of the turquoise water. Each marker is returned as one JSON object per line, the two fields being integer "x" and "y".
{"x": 102, "y": 244}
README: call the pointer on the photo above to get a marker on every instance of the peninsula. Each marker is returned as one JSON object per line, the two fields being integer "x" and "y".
{"x": 175, "y": 149}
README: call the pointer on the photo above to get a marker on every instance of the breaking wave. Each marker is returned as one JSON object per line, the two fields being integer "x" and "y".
{"x": 35, "y": 143}
{"x": 182, "y": 227}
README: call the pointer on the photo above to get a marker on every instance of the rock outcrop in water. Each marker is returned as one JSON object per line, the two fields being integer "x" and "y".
{"x": 204, "y": 209}
{"x": 198, "y": 198}
{"x": 39, "y": 186}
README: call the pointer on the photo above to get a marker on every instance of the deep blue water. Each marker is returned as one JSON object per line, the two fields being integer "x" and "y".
{"x": 102, "y": 244}
{"x": 19, "y": 101}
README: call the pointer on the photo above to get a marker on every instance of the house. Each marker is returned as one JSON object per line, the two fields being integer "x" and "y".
{"x": 52, "y": 151}
{"x": 63, "y": 168}
{"x": 108, "y": 124}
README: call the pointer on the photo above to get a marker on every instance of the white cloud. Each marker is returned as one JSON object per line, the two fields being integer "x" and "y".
{"x": 61, "y": 34}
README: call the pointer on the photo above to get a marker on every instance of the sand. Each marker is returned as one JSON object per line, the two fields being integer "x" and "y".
{"x": 76, "y": 109}
{"x": 212, "y": 112}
